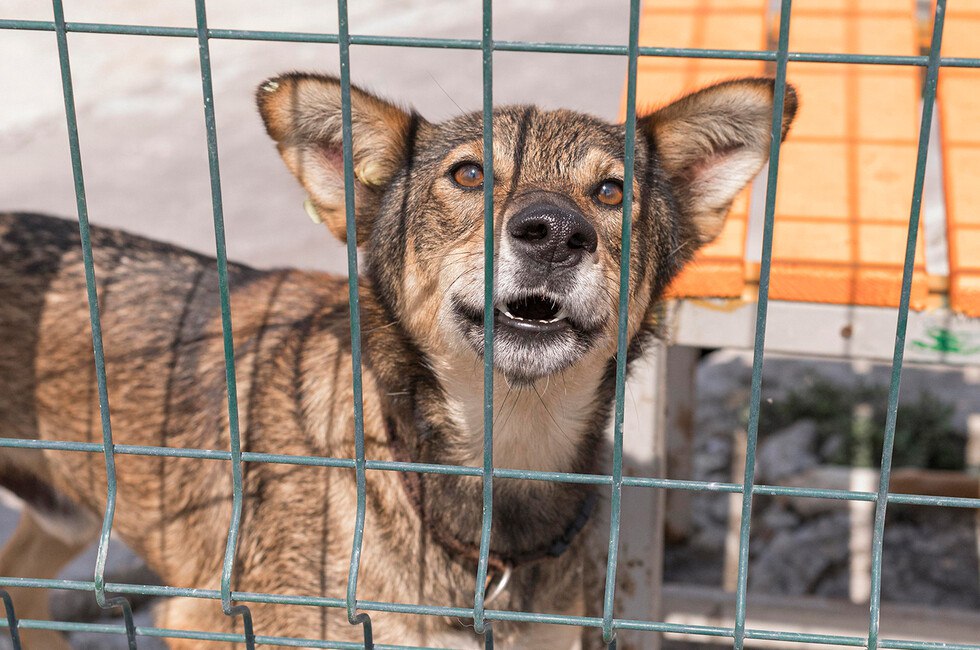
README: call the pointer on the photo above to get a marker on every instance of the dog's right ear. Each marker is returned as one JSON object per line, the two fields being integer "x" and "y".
{"x": 713, "y": 142}
{"x": 302, "y": 113}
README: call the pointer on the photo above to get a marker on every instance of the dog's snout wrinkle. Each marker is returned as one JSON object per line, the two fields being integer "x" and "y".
{"x": 553, "y": 234}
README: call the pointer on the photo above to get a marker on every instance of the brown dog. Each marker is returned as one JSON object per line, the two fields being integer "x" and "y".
{"x": 419, "y": 201}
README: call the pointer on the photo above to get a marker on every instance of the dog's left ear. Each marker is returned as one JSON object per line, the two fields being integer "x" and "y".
{"x": 713, "y": 142}
{"x": 302, "y": 113}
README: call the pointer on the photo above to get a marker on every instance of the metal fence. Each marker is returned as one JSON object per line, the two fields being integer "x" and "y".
{"x": 358, "y": 610}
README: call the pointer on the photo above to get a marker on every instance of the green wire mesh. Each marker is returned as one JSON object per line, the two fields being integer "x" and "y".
{"x": 479, "y": 612}
{"x": 928, "y": 102}
{"x": 755, "y": 399}
{"x": 93, "y": 305}
{"x": 355, "y": 332}
{"x": 357, "y": 610}
{"x": 615, "y": 505}
{"x": 228, "y": 562}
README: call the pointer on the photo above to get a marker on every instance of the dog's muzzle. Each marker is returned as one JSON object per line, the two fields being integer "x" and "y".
{"x": 549, "y": 233}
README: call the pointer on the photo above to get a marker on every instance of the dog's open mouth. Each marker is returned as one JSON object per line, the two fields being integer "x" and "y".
{"x": 536, "y": 334}
{"x": 533, "y": 313}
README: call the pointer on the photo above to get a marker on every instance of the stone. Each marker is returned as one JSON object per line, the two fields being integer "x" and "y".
{"x": 787, "y": 452}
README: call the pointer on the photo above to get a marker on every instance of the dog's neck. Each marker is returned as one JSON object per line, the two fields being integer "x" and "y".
{"x": 434, "y": 415}
{"x": 540, "y": 426}
{"x": 550, "y": 425}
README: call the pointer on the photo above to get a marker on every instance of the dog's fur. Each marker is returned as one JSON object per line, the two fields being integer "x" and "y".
{"x": 421, "y": 306}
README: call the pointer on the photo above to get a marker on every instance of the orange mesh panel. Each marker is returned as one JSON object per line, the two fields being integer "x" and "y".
{"x": 959, "y": 110}
{"x": 718, "y": 270}
{"x": 846, "y": 171}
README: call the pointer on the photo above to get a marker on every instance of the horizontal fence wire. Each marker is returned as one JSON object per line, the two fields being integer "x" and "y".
{"x": 502, "y": 45}
{"x": 515, "y": 474}
{"x": 425, "y": 610}
{"x": 498, "y": 472}
{"x": 479, "y": 614}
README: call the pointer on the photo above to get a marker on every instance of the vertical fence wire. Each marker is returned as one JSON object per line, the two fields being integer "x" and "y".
{"x": 479, "y": 622}
{"x": 878, "y": 535}
{"x": 234, "y": 435}
{"x": 8, "y": 608}
{"x": 755, "y": 404}
{"x": 96, "y": 324}
{"x": 355, "y": 329}
{"x": 608, "y": 633}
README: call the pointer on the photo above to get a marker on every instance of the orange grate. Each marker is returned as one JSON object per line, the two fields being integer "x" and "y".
{"x": 959, "y": 110}
{"x": 718, "y": 269}
{"x": 846, "y": 171}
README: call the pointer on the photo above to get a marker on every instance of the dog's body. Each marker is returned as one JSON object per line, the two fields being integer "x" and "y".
{"x": 418, "y": 217}
{"x": 164, "y": 363}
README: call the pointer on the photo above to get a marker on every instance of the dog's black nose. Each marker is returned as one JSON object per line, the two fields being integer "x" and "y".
{"x": 552, "y": 234}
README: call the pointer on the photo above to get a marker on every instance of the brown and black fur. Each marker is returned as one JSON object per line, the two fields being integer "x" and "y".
{"x": 421, "y": 366}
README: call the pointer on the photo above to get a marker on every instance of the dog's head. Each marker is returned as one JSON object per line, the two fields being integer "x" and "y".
{"x": 558, "y": 194}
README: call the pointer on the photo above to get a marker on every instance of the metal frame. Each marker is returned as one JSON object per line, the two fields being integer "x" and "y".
{"x": 834, "y": 331}
{"x": 357, "y": 610}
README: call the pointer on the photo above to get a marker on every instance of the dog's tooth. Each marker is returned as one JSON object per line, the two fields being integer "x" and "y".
{"x": 561, "y": 315}
{"x": 311, "y": 211}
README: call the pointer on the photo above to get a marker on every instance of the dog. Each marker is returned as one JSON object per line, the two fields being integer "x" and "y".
{"x": 418, "y": 190}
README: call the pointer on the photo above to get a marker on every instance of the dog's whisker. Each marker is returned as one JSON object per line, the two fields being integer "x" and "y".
{"x": 436, "y": 81}
{"x": 380, "y": 327}
{"x": 550, "y": 414}
{"x": 513, "y": 408}
{"x": 459, "y": 277}
{"x": 502, "y": 404}
{"x": 443, "y": 256}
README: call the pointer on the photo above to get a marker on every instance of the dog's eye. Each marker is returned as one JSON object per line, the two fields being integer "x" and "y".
{"x": 468, "y": 175}
{"x": 609, "y": 193}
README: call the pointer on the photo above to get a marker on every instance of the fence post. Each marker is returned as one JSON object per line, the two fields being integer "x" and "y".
{"x": 642, "y": 541}
{"x": 681, "y": 401}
